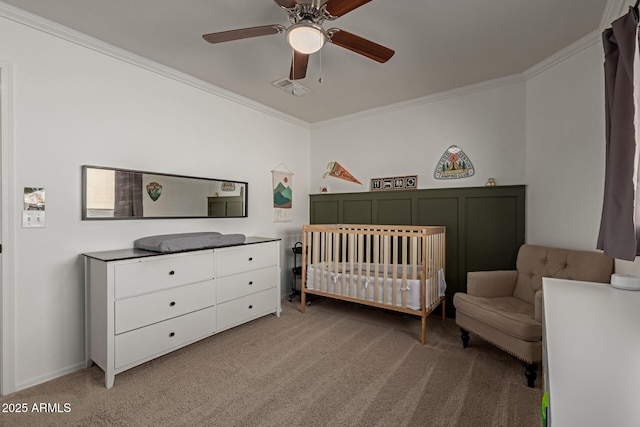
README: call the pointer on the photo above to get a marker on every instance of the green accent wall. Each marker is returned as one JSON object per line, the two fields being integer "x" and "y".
{"x": 485, "y": 225}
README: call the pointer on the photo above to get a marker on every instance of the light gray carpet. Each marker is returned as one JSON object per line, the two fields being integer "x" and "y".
{"x": 336, "y": 365}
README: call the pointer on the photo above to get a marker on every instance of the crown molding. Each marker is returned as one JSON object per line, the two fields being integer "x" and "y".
{"x": 560, "y": 56}
{"x": 564, "y": 54}
{"x": 440, "y": 96}
{"x": 612, "y": 11}
{"x": 54, "y": 29}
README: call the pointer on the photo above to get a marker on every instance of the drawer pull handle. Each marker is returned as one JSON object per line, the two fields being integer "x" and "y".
{"x": 172, "y": 303}
{"x": 250, "y": 283}
{"x": 172, "y": 334}
{"x": 250, "y": 307}
{"x": 250, "y": 258}
{"x": 171, "y": 273}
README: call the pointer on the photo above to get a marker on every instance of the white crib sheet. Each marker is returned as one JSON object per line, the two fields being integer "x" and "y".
{"x": 321, "y": 279}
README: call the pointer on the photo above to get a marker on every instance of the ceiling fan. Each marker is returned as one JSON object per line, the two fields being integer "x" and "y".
{"x": 306, "y": 35}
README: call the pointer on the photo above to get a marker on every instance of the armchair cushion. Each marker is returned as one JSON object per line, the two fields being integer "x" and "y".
{"x": 510, "y": 315}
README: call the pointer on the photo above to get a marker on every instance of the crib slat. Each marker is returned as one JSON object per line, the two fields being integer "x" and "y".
{"x": 343, "y": 284}
{"x": 367, "y": 291}
{"x": 385, "y": 267}
{"x": 327, "y": 258}
{"x": 317, "y": 279}
{"x": 336, "y": 260}
{"x": 351, "y": 256}
{"x": 360, "y": 265}
{"x": 321, "y": 256}
{"x": 405, "y": 267}
{"x": 414, "y": 258}
{"x": 394, "y": 271}
{"x": 376, "y": 260}
{"x": 434, "y": 270}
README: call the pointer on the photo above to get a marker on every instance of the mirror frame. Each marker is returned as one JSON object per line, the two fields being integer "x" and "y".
{"x": 86, "y": 217}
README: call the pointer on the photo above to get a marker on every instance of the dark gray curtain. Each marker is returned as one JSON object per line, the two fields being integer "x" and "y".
{"x": 618, "y": 235}
{"x": 128, "y": 195}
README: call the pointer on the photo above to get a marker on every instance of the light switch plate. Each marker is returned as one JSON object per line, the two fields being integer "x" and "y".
{"x": 33, "y": 219}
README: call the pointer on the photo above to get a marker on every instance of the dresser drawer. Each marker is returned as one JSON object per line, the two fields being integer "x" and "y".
{"x": 162, "y": 272}
{"x": 239, "y": 285}
{"x": 136, "y": 312}
{"x": 162, "y": 337}
{"x": 244, "y": 258}
{"x": 237, "y": 311}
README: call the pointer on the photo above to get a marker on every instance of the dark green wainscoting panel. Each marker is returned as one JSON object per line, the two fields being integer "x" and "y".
{"x": 397, "y": 212}
{"x": 485, "y": 225}
{"x": 328, "y": 210}
{"x": 443, "y": 210}
{"x": 357, "y": 212}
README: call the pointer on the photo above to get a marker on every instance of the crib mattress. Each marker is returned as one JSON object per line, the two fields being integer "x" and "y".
{"x": 319, "y": 278}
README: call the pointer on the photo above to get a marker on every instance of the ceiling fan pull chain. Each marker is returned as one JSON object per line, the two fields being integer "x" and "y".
{"x": 320, "y": 78}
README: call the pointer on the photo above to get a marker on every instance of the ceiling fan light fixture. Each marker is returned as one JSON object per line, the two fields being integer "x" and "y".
{"x": 306, "y": 37}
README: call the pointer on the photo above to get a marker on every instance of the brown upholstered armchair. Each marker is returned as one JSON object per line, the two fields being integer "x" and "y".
{"x": 505, "y": 307}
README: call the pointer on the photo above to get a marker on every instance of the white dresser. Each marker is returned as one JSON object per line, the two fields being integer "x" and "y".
{"x": 591, "y": 346}
{"x": 141, "y": 304}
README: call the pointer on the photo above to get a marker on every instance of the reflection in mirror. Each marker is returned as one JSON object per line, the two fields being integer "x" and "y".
{"x": 110, "y": 193}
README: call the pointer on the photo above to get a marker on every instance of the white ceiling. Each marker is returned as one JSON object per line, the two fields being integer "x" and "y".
{"x": 440, "y": 45}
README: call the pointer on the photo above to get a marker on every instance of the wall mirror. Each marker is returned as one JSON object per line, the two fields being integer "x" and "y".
{"x": 111, "y": 193}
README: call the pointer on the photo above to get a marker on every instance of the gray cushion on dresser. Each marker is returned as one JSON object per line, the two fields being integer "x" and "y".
{"x": 167, "y": 243}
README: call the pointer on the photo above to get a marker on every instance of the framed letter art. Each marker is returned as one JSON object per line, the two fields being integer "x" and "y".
{"x": 408, "y": 182}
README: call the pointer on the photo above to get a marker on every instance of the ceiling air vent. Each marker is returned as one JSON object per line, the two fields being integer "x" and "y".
{"x": 291, "y": 87}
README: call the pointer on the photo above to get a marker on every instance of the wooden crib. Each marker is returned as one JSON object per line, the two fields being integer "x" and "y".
{"x": 399, "y": 268}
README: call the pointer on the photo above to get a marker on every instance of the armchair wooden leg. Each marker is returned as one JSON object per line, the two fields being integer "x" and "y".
{"x": 530, "y": 373}
{"x": 464, "y": 335}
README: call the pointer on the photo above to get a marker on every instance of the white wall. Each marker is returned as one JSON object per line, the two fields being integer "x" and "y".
{"x": 76, "y": 106}
{"x": 565, "y": 151}
{"x": 486, "y": 121}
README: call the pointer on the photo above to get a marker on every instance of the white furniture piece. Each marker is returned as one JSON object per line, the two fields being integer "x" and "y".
{"x": 591, "y": 345}
{"x": 247, "y": 283}
{"x": 142, "y": 304}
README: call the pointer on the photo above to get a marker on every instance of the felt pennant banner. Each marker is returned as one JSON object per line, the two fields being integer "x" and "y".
{"x": 336, "y": 170}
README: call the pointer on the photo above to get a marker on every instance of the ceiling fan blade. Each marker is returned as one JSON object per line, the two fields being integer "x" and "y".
{"x": 359, "y": 45}
{"x": 243, "y": 33}
{"x": 287, "y": 4}
{"x": 340, "y": 7}
{"x": 298, "y": 65}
